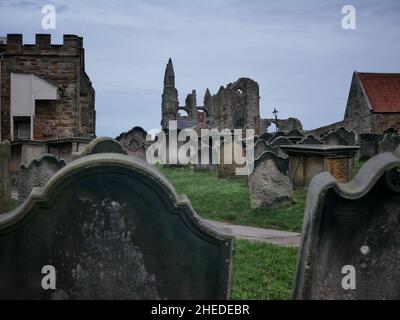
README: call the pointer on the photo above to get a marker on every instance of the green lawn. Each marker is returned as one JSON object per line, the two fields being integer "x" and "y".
{"x": 357, "y": 166}
{"x": 263, "y": 271}
{"x": 14, "y": 204}
{"x": 229, "y": 200}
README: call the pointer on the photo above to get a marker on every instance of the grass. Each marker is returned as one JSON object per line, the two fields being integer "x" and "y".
{"x": 263, "y": 271}
{"x": 14, "y": 204}
{"x": 357, "y": 166}
{"x": 229, "y": 200}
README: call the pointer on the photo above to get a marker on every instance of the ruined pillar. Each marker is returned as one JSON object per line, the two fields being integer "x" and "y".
{"x": 5, "y": 181}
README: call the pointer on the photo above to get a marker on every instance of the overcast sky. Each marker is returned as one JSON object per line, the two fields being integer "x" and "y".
{"x": 296, "y": 50}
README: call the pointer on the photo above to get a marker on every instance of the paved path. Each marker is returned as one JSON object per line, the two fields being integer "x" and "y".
{"x": 282, "y": 238}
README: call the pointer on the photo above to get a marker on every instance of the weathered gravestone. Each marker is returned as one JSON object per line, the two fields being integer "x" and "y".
{"x": 265, "y": 136}
{"x": 369, "y": 145}
{"x": 5, "y": 179}
{"x": 261, "y": 146}
{"x": 295, "y": 136}
{"x": 277, "y": 135}
{"x": 281, "y": 141}
{"x": 351, "y": 235}
{"x": 36, "y": 174}
{"x": 270, "y": 180}
{"x": 134, "y": 141}
{"x": 389, "y": 143}
{"x": 333, "y": 138}
{"x": 310, "y": 139}
{"x": 348, "y": 136}
{"x": 100, "y": 145}
{"x": 391, "y": 131}
{"x": 113, "y": 227}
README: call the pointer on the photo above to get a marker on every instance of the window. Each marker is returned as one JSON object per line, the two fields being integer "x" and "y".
{"x": 22, "y": 126}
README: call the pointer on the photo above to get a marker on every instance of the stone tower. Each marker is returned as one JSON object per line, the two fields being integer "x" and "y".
{"x": 170, "y": 103}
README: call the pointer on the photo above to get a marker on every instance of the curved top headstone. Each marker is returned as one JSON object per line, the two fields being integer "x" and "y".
{"x": 100, "y": 145}
{"x": 281, "y": 141}
{"x": 352, "y": 226}
{"x": 277, "y": 135}
{"x": 295, "y": 133}
{"x": 44, "y": 158}
{"x": 310, "y": 139}
{"x": 334, "y": 138}
{"x": 113, "y": 227}
{"x": 265, "y": 136}
{"x": 262, "y": 146}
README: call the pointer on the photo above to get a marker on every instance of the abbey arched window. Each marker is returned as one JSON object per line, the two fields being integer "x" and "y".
{"x": 239, "y": 118}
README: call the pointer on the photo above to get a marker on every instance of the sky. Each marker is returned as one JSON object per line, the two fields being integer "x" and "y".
{"x": 296, "y": 50}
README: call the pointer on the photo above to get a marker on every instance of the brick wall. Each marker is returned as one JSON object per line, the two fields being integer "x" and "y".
{"x": 61, "y": 65}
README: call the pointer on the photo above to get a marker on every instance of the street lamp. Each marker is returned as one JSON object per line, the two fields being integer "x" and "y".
{"x": 275, "y": 113}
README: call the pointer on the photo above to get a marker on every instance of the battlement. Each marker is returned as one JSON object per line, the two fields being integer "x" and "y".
{"x": 72, "y": 45}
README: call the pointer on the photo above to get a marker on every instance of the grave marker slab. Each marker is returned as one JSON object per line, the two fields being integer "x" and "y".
{"x": 113, "y": 227}
{"x": 100, "y": 145}
{"x": 310, "y": 139}
{"x": 354, "y": 224}
{"x": 36, "y": 174}
{"x": 134, "y": 141}
{"x": 369, "y": 145}
{"x": 270, "y": 180}
{"x": 389, "y": 143}
{"x": 333, "y": 138}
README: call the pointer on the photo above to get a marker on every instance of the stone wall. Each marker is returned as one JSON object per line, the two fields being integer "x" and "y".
{"x": 322, "y": 130}
{"x": 358, "y": 116}
{"x": 62, "y": 65}
{"x": 285, "y": 125}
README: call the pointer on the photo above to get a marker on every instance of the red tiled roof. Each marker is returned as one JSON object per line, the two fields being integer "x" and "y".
{"x": 383, "y": 91}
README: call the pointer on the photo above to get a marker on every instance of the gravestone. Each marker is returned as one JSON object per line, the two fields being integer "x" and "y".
{"x": 265, "y": 136}
{"x": 134, "y": 141}
{"x": 389, "y": 143}
{"x": 352, "y": 231}
{"x": 391, "y": 131}
{"x": 261, "y": 146}
{"x": 113, "y": 227}
{"x": 36, "y": 174}
{"x": 277, "y": 135}
{"x": 369, "y": 145}
{"x": 100, "y": 145}
{"x": 310, "y": 139}
{"x": 348, "y": 136}
{"x": 5, "y": 179}
{"x": 295, "y": 136}
{"x": 333, "y": 138}
{"x": 270, "y": 180}
{"x": 281, "y": 141}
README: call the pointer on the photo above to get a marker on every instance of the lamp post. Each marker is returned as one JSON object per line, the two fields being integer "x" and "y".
{"x": 275, "y": 113}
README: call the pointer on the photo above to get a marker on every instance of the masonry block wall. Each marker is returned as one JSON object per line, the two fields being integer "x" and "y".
{"x": 73, "y": 114}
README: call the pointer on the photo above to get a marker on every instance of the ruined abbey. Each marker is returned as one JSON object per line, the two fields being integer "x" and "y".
{"x": 235, "y": 106}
